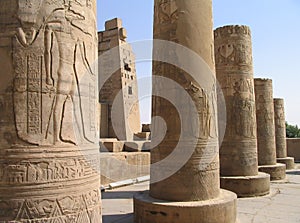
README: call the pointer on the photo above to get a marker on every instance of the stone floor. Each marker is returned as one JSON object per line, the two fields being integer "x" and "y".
{"x": 281, "y": 206}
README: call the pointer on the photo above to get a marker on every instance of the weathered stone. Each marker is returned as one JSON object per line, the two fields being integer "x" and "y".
{"x": 118, "y": 83}
{"x": 103, "y": 120}
{"x": 288, "y": 161}
{"x": 234, "y": 68}
{"x": 293, "y": 149}
{"x": 276, "y": 171}
{"x": 111, "y": 145}
{"x": 49, "y": 157}
{"x": 280, "y": 134}
{"x": 151, "y": 210}
{"x": 137, "y": 146}
{"x": 266, "y": 130}
{"x": 123, "y": 166}
{"x": 113, "y": 24}
{"x": 248, "y": 186}
{"x": 190, "y": 194}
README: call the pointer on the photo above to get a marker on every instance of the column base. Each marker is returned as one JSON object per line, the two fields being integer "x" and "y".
{"x": 288, "y": 161}
{"x": 247, "y": 186}
{"x": 218, "y": 210}
{"x": 277, "y": 171}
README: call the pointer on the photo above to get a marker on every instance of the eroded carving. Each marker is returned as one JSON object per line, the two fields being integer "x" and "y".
{"x": 47, "y": 108}
{"x": 40, "y": 74}
{"x": 233, "y": 53}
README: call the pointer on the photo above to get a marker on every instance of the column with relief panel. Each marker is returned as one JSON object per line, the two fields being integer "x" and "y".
{"x": 49, "y": 132}
{"x": 238, "y": 152}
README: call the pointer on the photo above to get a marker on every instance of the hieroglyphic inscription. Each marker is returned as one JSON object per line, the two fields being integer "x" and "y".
{"x": 47, "y": 74}
{"x": 81, "y": 208}
{"x": 26, "y": 172}
{"x": 44, "y": 176}
{"x": 233, "y": 53}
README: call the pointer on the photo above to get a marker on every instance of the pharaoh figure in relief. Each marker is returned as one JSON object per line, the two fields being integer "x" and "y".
{"x": 54, "y": 77}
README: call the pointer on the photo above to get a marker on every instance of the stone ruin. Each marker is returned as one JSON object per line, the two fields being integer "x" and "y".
{"x": 120, "y": 126}
{"x": 49, "y": 130}
{"x": 119, "y": 90}
{"x": 121, "y": 139}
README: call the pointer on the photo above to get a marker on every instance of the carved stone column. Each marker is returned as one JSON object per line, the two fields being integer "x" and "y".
{"x": 238, "y": 153}
{"x": 280, "y": 135}
{"x": 184, "y": 96}
{"x": 266, "y": 130}
{"x": 48, "y": 98}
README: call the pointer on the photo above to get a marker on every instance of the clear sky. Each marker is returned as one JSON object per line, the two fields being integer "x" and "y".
{"x": 275, "y": 26}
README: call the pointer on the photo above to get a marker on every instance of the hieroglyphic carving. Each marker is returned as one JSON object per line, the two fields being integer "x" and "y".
{"x": 29, "y": 94}
{"x": 167, "y": 11}
{"x": 60, "y": 79}
{"x": 50, "y": 47}
{"x": 81, "y": 208}
{"x": 166, "y": 16}
{"x": 190, "y": 123}
{"x": 265, "y": 122}
{"x": 27, "y": 172}
{"x": 206, "y": 105}
{"x": 233, "y": 53}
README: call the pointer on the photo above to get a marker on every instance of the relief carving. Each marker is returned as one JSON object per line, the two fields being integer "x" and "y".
{"x": 206, "y": 103}
{"x": 26, "y": 172}
{"x": 167, "y": 11}
{"x": 242, "y": 112}
{"x": 50, "y": 101}
{"x": 61, "y": 210}
{"x": 50, "y": 85}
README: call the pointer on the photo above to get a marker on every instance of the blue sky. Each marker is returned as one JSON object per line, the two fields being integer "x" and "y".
{"x": 275, "y": 26}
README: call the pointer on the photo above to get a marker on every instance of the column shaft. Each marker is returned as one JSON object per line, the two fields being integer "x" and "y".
{"x": 184, "y": 173}
{"x": 238, "y": 152}
{"x": 265, "y": 122}
{"x": 280, "y": 129}
{"x": 266, "y": 144}
{"x": 233, "y": 53}
{"x": 280, "y": 135}
{"x": 48, "y": 131}
{"x": 189, "y": 24}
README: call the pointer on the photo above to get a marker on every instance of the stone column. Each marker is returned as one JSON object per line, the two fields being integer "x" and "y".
{"x": 48, "y": 131}
{"x": 190, "y": 145}
{"x": 266, "y": 130}
{"x": 280, "y": 135}
{"x": 238, "y": 153}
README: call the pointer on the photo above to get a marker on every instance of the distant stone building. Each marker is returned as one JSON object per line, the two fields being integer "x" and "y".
{"x": 120, "y": 115}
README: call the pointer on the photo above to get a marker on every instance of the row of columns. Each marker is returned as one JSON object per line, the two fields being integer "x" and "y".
{"x": 49, "y": 143}
{"x": 193, "y": 194}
